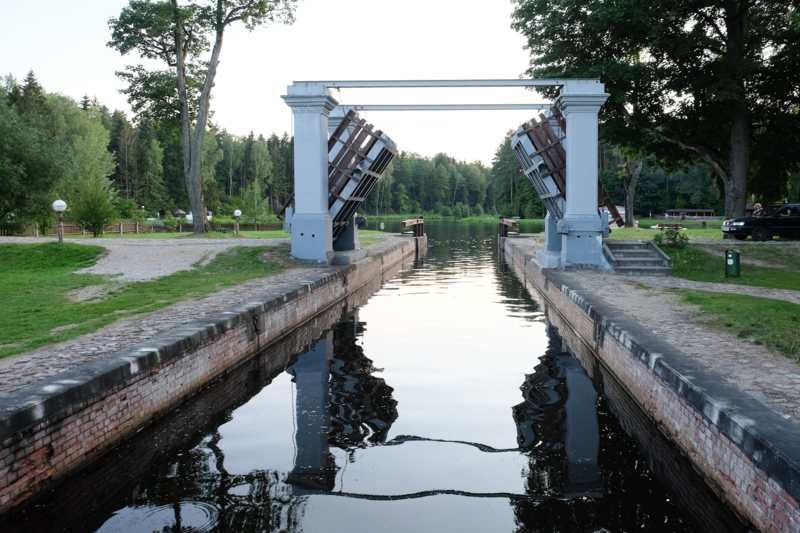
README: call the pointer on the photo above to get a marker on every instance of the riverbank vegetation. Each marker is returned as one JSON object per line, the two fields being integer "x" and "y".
{"x": 45, "y": 302}
{"x": 707, "y": 263}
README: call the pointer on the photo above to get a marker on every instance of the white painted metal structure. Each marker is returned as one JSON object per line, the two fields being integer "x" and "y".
{"x": 580, "y": 229}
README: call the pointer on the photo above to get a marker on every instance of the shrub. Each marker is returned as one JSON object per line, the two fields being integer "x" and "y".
{"x": 671, "y": 237}
{"x": 170, "y": 222}
{"x": 446, "y": 212}
{"x": 93, "y": 210}
{"x": 457, "y": 211}
{"x": 477, "y": 210}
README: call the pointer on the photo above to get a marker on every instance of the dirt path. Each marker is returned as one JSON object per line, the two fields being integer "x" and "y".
{"x": 144, "y": 259}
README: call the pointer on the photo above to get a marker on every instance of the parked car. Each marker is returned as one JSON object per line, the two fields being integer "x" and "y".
{"x": 783, "y": 222}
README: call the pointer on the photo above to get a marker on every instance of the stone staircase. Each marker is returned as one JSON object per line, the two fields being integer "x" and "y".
{"x": 636, "y": 258}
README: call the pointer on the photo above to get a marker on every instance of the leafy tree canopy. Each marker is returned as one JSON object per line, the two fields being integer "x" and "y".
{"x": 690, "y": 80}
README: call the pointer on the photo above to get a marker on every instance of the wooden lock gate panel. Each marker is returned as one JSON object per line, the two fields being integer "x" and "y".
{"x": 357, "y": 158}
{"x": 546, "y": 164}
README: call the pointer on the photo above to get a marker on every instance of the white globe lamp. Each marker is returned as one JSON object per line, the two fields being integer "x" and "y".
{"x": 59, "y": 206}
{"x": 237, "y": 214}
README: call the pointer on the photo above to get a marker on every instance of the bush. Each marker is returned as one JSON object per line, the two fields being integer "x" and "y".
{"x": 170, "y": 222}
{"x": 671, "y": 237}
{"x": 127, "y": 208}
{"x": 477, "y": 210}
{"x": 446, "y": 212}
{"x": 93, "y": 210}
{"x": 457, "y": 211}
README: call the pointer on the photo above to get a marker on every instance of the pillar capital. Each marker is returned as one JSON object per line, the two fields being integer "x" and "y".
{"x": 310, "y": 99}
{"x": 581, "y": 103}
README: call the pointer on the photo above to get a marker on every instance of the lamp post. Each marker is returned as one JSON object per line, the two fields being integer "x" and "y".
{"x": 237, "y": 214}
{"x": 59, "y": 206}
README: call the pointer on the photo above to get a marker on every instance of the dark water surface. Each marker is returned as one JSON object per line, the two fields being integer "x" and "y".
{"x": 446, "y": 403}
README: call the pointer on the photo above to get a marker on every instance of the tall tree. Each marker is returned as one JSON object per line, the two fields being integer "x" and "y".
{"x": 630, "y": 178}
{"x": 178, "y": 34}
{"x": 703, "y": 80}
{"x": 29, "y": 98}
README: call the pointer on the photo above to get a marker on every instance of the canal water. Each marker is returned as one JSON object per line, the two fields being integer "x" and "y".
{"x": 446, "y": 402}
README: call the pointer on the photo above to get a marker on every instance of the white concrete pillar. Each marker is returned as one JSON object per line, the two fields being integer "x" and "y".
{"x": 311, "y": 222}
{"x": 581, "y": 228}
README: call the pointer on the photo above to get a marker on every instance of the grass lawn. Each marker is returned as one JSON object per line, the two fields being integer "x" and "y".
{"x": 691, "y": 224}
{"x": 369, "y": 241}
{"x": 772, "y": 323}
{"x": 648, "y": 234}
{"x": 36, "y": 280}
{"x": 786, "y": 256}
{"x": 691, "y": 263}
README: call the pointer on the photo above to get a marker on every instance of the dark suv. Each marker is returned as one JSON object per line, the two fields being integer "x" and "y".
{"x": 783, "y": 222}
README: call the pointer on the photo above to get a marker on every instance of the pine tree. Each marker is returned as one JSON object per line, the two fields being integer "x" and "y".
{"x": 29, "y": 98}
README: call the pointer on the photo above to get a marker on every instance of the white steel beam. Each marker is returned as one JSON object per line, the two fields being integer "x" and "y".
{"x": 449, "y": 107}
{"x": 365, "y": 84}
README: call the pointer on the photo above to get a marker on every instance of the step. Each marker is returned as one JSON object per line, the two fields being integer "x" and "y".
{"x": 627, "y": 246}
{"x": 634, "y": 253}
{"x": 643, "y": 271}
{"x": 628, "y": 262}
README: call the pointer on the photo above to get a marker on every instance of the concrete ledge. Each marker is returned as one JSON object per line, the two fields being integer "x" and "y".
{"x": 348, "y": 257}
{"x": 51, "y": 428}
{"x": 746, "y": 451}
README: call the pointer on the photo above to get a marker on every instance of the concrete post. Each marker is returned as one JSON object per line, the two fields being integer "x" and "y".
{"x": 581, "y": 228}
{"x": 311, "y": 222}
{"x": 550, "y": 257}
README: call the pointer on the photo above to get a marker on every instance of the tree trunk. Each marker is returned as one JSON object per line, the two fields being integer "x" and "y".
{"x": 194, "y": 179}
{"x": 736, "y": 185}
{"x": 633, "y": 168}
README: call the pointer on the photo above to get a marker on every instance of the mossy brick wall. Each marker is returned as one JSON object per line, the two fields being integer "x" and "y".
{"x": 49, "y": 429}
{"x": 745, "y": 451}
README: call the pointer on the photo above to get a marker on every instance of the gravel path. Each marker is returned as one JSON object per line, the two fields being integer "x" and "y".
{"x": 767, "y": 376}
{"x": 680, "y": 283}
{"x": 144, "y": 259}
{"x": 23, "y": 369}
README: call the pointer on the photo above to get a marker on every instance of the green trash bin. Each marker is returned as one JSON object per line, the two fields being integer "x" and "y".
{"x": 732, "y": 263}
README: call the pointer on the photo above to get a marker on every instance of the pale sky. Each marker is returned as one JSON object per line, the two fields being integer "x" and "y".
{"x": 65, "y": 45}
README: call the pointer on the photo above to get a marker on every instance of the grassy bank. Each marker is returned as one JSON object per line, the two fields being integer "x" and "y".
{"x": 648, "y": 234}
{"x": 39, "y": 285}
{"x": 698, "y": 265}
{"x": 772, "y": 323}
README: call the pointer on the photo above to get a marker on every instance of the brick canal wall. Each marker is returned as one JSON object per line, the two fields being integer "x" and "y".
{"x": 102, "y": 487}
{"x": 747, "y": 453}
{"x": 50, "y": 429}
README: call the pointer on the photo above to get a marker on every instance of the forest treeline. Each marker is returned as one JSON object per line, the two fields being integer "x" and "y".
{"x": 105, "y": 165}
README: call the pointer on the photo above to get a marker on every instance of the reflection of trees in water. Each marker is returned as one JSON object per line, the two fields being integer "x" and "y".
{"x": 362, "y": 406}
{"x": 254, "y": 502}
{"x": 633, "y": 499}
